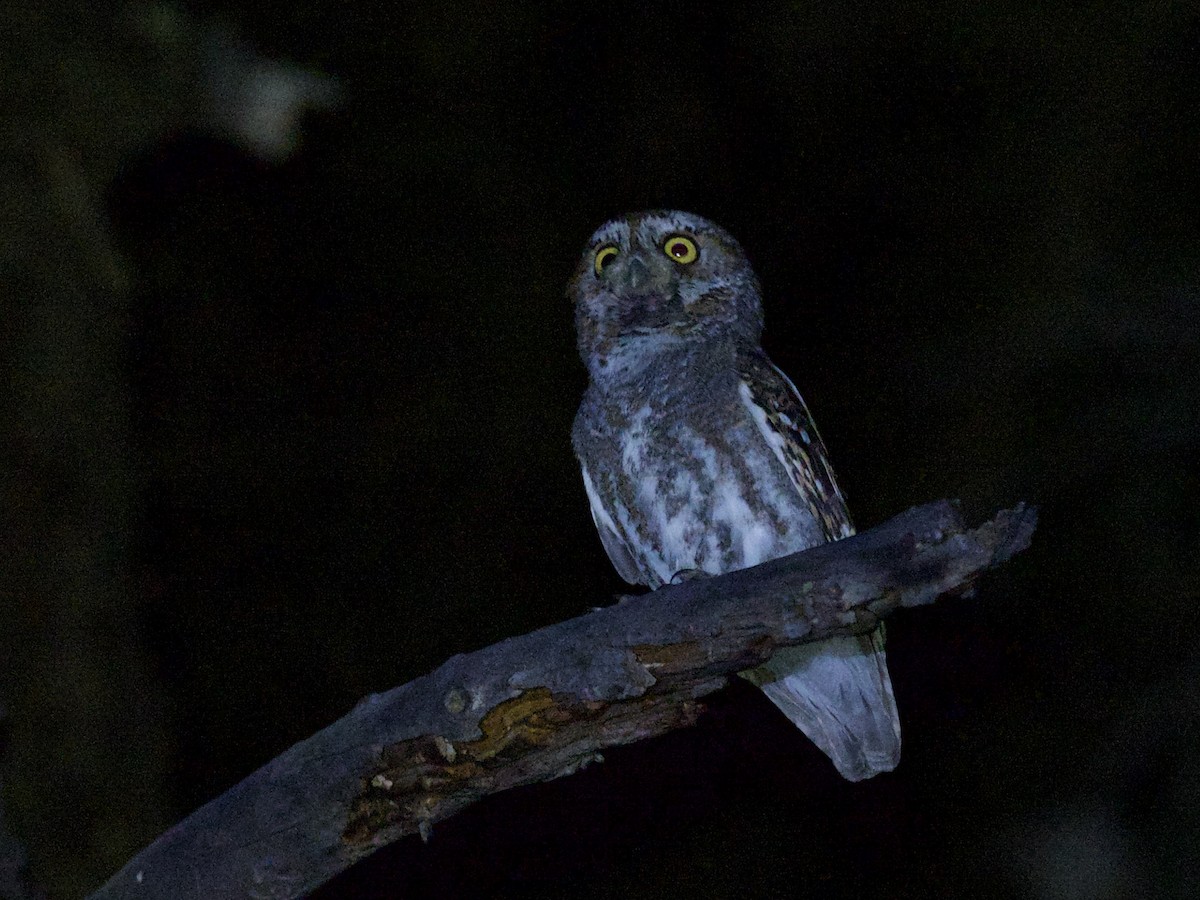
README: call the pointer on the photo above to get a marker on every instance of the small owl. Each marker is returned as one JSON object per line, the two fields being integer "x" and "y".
{"x": 699, "y": 456}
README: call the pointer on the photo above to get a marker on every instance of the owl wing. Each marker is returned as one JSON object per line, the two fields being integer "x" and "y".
{"x": 837, "y": 691}
{"x": 786, "y": 425}
{"x": 614, "y": 544}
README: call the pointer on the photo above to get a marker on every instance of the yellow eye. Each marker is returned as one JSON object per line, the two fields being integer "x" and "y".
{"x": 681, "y": 248}
{"x": 604, "y": 256}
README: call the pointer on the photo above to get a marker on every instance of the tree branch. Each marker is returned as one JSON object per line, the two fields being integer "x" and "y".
{"x": 542, "y": 705}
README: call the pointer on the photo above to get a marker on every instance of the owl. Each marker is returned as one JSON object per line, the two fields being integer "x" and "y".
{"x": 699, "y": 456}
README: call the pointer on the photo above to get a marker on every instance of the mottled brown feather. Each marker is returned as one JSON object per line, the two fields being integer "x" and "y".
{"x": 804, "y": 454}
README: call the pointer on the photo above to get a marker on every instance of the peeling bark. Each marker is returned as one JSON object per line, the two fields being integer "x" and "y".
{"x": 543, "y": 705}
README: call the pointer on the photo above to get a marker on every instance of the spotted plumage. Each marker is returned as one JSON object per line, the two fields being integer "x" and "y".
{"x": 789, "y": 428}
{"x": 700, "y": 457}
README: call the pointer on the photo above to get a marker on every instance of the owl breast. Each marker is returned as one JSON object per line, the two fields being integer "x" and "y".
{"x": 694, "y": 487}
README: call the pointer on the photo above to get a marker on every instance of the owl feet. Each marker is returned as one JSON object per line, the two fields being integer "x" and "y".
{"x": 618, "y": 599}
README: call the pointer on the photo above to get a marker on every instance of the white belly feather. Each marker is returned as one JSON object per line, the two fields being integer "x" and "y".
{"x": 699, "y": 506}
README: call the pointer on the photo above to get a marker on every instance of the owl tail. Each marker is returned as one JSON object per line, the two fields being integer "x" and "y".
{"x": 838, "y": 692}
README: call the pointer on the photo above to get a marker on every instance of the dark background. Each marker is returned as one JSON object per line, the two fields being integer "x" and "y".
{"x": 346, "y": 382}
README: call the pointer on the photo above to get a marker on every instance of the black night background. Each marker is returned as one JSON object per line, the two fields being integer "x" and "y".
{"x": 286, "y": 427}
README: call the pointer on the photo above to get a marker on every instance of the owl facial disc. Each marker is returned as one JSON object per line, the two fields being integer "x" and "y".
{"x": 649, "y": 281}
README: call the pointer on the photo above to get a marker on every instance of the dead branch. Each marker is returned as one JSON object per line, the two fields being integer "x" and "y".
{"x": 544, "y": 704}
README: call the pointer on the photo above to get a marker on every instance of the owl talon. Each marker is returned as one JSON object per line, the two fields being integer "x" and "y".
{"x": 687, "y": 575}
{"x": 617, "y": 598}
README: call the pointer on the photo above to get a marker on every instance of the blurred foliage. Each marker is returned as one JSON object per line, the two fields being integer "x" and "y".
{"x": 341, "y": 389}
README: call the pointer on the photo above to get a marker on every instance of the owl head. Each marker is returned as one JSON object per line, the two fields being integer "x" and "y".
{"x": 656, "y": 280}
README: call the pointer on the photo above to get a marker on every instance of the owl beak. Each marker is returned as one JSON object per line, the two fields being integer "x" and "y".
{"x": 646, "y": 293}
{"x": 637, "y": 275}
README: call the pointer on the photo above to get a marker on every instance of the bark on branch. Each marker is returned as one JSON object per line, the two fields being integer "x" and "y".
{"x": 543, "y": 705}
